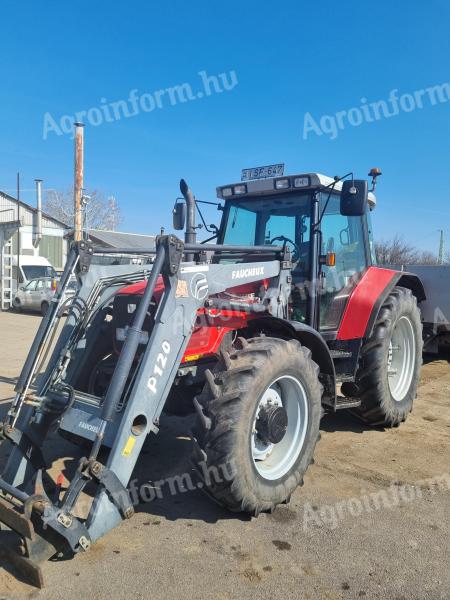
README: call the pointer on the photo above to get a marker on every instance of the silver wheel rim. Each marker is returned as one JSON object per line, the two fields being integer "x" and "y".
{"x": 401, "y": 358}
{"x": 273, "y": 461}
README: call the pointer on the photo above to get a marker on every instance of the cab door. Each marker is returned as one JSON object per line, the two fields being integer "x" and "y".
{"x": 346, "y": 238}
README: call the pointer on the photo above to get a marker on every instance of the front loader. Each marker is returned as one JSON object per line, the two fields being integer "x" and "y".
{"x": 253, "y": 333}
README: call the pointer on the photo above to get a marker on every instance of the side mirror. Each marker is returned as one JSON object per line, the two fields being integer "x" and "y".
{"x": 354, "y": 197}
{"x": 179, "y": 215}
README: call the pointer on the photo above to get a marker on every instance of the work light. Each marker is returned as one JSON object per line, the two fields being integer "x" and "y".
{"x": 282, "y": 184}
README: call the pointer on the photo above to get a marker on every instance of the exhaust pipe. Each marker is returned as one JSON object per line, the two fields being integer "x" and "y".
{"x": 38, "y": 236}
{"x": 190, "y": 237}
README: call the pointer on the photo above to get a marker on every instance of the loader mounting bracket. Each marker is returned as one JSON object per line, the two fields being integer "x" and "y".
{"x": 174, "y": 252}
{"x": 116, "y": 491}
{"x": 85, "y": 253}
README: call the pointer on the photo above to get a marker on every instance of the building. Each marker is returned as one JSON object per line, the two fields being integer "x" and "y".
{"x": 26, "y": 232}
{"x": 118, "y": 239}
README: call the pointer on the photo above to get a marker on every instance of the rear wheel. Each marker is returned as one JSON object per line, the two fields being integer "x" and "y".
{"x": 44, "y": 308}
{"x": 388, "y": 376}
{"x": 258, "y": 424}
{"x": 17, "y": 305}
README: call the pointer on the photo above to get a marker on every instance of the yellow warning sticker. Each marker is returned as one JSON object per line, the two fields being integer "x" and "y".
{"x": 129, "y": 446}
{"x": 191, "y": 357}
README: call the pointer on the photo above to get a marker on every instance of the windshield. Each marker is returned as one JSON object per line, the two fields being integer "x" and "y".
{"x": 271, "y": 220}
{"x": 36, "y": 271}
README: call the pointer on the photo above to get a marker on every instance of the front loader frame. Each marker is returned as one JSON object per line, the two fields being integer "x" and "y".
{"x": 30, "y": 503}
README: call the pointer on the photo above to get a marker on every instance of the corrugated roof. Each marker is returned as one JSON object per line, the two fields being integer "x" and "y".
{"x": 33, "y": 209}
{"x": 118, "y": 239}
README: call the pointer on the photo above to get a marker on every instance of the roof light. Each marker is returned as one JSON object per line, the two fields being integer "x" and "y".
{"x": 300, "y": 182}
{"x": 240, "y": 189}
{"x": 282, "y": 184}
{"x": 227, "y": 192}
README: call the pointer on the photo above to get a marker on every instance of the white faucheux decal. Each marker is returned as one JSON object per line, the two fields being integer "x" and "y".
{"x": 250, "y": 272}
{"x": 89, "y": 427}
{"x": 199, "y": 286}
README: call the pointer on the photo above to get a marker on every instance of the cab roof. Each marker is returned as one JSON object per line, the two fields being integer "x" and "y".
{"x": 269, "y": 184}
{"x": 280, "y": 185}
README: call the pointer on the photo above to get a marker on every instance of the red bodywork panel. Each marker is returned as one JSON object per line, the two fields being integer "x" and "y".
{"x": 213, "y": 324}
{"x": 362, "y": 302}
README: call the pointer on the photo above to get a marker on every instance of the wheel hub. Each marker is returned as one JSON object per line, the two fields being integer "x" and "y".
{"x": 280, "y": 427}
{"x": 272, "y": 424}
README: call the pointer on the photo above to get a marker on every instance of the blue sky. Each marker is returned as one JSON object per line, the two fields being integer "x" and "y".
{"x": 289, "y": 58}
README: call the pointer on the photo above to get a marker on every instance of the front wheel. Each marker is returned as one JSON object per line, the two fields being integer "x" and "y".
{"x": 388, "y": 375}
{"x": 259, "y": 423}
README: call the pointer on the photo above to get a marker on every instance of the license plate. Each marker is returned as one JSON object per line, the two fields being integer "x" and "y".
{"x": 262, "y": 172}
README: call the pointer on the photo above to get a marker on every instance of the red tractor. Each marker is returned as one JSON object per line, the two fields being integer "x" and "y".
{"x": 255, "y": 333}
{"x": 348, "y": 323}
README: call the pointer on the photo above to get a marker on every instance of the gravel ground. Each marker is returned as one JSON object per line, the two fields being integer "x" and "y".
{"x": 336, "y": 539}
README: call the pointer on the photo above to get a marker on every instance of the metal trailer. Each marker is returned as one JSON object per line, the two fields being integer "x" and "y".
{"x": 435, "y": 309}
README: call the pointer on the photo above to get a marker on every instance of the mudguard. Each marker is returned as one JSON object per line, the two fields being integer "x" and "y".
{"x": 368, "y": 296}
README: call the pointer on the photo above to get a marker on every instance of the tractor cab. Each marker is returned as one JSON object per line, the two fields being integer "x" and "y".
{"x": 325, "y": 223}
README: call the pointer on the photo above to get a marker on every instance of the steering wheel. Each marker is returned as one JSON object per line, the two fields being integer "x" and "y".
{"x": 296, "y": 249}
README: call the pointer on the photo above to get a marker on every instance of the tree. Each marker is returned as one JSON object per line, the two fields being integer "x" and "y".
{"x": 399, "y": 252}
{"x": 395, "y": 252}
{"x": 99, "y": 213}
{"x": 427, "y": 258}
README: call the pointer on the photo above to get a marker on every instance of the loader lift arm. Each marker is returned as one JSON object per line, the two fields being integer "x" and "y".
{"x": 46, "y": 524}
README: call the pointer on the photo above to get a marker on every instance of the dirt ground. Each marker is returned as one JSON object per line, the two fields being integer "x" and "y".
{"x": 372, "y": 521}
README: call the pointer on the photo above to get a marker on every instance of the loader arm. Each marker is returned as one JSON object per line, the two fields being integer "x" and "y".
{"x": 46, "y": 523}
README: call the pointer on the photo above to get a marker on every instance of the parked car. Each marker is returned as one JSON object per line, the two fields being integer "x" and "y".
{"x": 37, "y": 294}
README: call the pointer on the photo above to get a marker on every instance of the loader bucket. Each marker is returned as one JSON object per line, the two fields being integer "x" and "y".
{"x": 21, "y": 546}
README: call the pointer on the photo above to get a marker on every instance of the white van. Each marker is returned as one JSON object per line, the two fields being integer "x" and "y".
{"x": 31, "y": 267}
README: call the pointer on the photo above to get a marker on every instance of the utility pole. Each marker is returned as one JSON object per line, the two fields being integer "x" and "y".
{"x": 441, "y": 247}
{"x": 78, "y": 181}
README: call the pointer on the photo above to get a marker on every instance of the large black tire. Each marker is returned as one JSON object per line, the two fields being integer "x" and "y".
{"x": 228, "y": 407}
{"x": 373, "y": 387}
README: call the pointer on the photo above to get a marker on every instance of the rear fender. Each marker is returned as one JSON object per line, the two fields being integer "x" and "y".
{"x": 369, "y": 295}
{"x": 400, "y": 279}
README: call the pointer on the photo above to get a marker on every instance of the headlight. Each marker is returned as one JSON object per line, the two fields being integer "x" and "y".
{"x": 301, "y": 182}
{"x": 282, "y": 184}
{"x": 240, "y": 189}
{"x": 226, "y": 192}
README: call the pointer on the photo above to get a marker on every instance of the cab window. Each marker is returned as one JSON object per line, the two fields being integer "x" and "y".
{"x": 346, "y": 238}
{"x": 274, "y": 220}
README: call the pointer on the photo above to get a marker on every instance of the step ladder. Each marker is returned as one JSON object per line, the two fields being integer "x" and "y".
{"x": 6, "y": 275}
